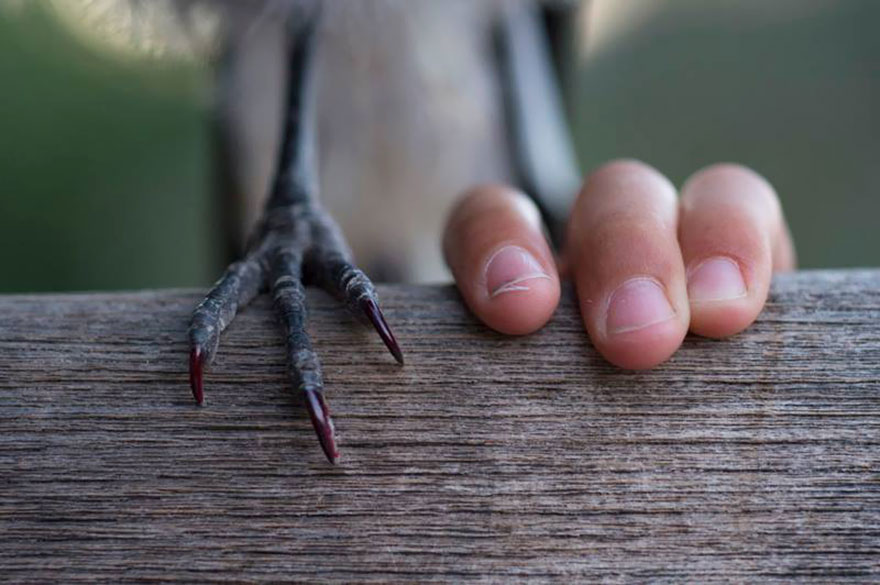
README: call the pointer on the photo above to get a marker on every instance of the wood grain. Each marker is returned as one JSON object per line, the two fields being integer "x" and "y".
{"x": 486, "y": 459}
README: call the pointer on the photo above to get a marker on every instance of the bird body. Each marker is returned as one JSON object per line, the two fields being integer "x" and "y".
{"x": 409, "y": 115}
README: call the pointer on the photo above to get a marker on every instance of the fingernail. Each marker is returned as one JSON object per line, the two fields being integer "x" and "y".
{"x": 716, "y": 279}
{"x": 510, "y": 269}
{"x": 636, "y": 304}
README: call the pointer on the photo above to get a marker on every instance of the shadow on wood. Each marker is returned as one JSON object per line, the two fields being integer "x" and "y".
{"x": 486, "y": 458}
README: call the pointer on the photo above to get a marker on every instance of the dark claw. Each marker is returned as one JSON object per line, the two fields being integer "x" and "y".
{"x": 320, "y": 415}
{"x": 196, "y": 362}
{"x": 371, "y": 309}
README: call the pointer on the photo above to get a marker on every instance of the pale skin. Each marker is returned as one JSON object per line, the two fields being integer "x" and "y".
{"x": 649, "y": 263}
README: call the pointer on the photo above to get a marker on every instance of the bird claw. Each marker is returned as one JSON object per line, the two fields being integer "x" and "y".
{"x": 196, "y": 364}
{"x": 319, "y": 412}
{"x": 374, "y": 314}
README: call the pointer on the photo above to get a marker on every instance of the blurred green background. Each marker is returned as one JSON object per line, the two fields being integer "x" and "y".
{"x": 105, "y": 162}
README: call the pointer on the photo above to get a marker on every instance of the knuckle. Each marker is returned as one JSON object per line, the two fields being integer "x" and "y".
{"x": 483, "y": 215}
{"x": 629, "y": 229}
{"x": 733, "y": 182}
{"x": 624, "y": 167}
{"x": 726, "y": 172}
{"x": 490, "y": 202}
{"x": 623, "y": 234}
{"x": 628, "y": 179}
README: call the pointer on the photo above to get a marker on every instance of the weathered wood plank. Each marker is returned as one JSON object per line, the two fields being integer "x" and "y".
{"x": 485, "y": 459}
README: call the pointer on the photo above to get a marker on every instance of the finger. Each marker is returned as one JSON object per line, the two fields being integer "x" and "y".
{"x": 784, "y": 254}
{"x": 627, "y": 266}
{"x": 500, "y": 259}
{"x": 732, "y": 236}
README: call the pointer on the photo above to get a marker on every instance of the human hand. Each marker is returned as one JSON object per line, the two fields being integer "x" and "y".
{"x": 647, "y": 266}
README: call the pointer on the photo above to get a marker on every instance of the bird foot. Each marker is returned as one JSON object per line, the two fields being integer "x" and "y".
{"x": 294, "y": 245}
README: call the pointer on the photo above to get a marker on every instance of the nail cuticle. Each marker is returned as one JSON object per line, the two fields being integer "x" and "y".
{"x": 716, "y": 279}
{"x": 509, "y": 269}
{"x": 629, "y": 304}
{"x": 517, "y": 284}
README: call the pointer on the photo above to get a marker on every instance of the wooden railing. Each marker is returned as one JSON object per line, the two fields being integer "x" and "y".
{"x": 486, "y": 458}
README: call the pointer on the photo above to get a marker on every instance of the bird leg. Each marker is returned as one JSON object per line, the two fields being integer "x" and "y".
{"x": 541, "y": 146}
{"x": 295, "y": 241}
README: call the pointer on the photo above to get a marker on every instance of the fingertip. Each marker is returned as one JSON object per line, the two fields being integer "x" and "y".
{"x": 644, "y": 348}
{"x": 723, "y": 319}
{"x": 722, "y": 301}
{"x": 521, "y": 294}
{"x": 501, "y": 261}
{"x": 640, "y": 327}
{"x": 732, "y": 235}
